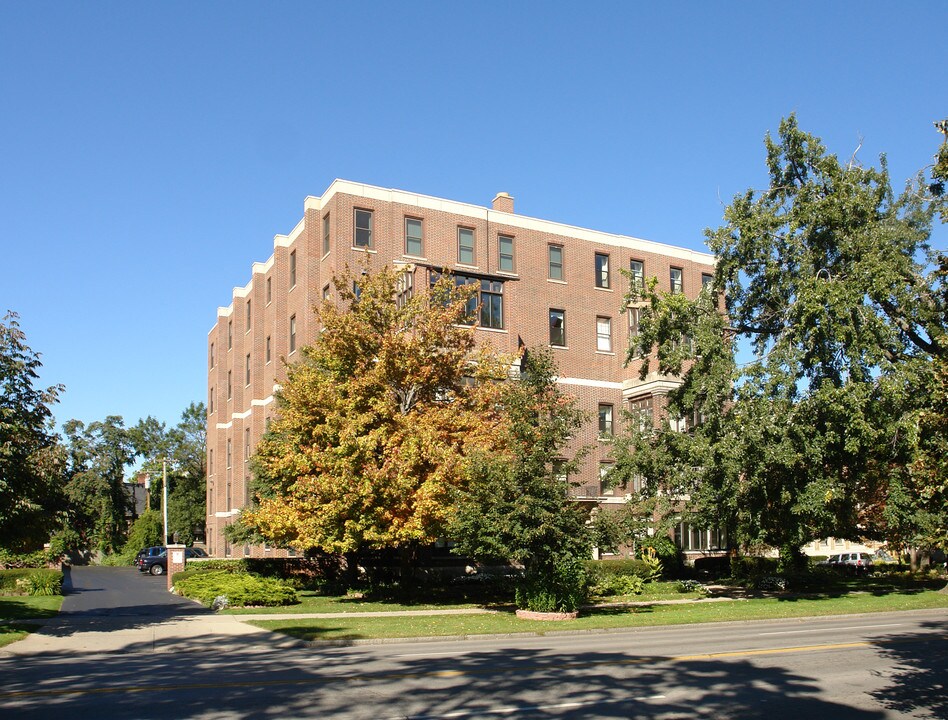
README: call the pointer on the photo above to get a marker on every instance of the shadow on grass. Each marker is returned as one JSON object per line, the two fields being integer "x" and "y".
{"x": 12, "y": 608}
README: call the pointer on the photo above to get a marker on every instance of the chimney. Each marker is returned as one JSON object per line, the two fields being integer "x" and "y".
{"x": 503, "y": 202}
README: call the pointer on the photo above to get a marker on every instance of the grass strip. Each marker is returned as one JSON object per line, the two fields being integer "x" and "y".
{"x": 18, "y": 607}
{"x": 362, "y": 628}
{"x": 312, "y": 602}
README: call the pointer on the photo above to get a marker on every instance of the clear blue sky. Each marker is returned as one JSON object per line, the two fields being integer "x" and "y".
{"x": 150, "y": 151}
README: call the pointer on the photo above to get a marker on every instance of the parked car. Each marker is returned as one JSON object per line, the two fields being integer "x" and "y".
{"x": 157, "y": 564}
{"x": 148, "y": 552}
{"x": 857, "y": 562}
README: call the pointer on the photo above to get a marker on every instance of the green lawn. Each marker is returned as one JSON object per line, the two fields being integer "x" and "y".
{"x": 346, "y": 627}
{"x": 13, "y": 608}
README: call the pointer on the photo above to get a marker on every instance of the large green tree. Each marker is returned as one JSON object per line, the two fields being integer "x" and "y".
{"x": 99, "y": 503}
{"x": 831, "y": 288}
{"x": 375, "y": 420}
{"x": 515, "y": 504}
{"x": 183, "y": 448}
{"x": 30, "y": 455}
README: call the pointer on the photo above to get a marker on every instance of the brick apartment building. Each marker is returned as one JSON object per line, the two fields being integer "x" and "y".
{"x": 541, "y": 283}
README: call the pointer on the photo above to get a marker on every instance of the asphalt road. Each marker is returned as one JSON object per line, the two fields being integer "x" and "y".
{"x": 889, "y": 665}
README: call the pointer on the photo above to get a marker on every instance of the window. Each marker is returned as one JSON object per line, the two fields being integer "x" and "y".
{"x": 602, "y": 270}
{"x": 691, "y": 537}
{"x": 269, "y": 290}
{"x": 634, "y": 316}
{"x": 556, "y": 262}
{"x": 249, "y": 314}
{"x": 606, "y": 483}
{"x": 247, "y": 370}
{"x": 414, "y": 244}
{"x": 605, "y": 420}
{"x": 604, "y": 334}
{"x": 637, "y": 270}
{"x": 212, "y": 355}
{"x": 505, "y": 249}
{"x": 674, "y": 278}
{"x": 210, "y": 402}
{"x": 465, "y": 246}
{"x": 490, "y": 298}
{"x": 229, "y": 452}
{"x": 363, "y": 228}
{"x": 326, "y": 234}
{"x": 706, "y": 281}
{"x": 246, "y": 444}
{"x": 558, "y": 328}
{"x": 210, "y": 461}
{"x": 404, "y": 288}
{"x": 230, "y": 334}
{"x": 267, "y": 351}
{"x": 230, "y": 391}
{"x": 559, "y": 471}
{"x": 292, "y": 333}
{"x": 326, "y": 293}
{"x": 292, "y": 269}
{"x": 492, "y": 304}
{"x": 641, "y": 411}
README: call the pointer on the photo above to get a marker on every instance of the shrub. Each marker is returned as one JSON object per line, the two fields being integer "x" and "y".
{"x": 665, "y": 549}
{"x": 716, "y": 566}
{"x": 771, "y": 583}
{"x": 31, "y": 581}
{"x": 619, "y": 585}
{"x": 38, "y": 559}
{"x": 751, "y": 566}
{"x": 598, "y": 569}
{"x": 236, "y": 589}
{"x": 558, "y": 586}
{"x": 689, "y": 586}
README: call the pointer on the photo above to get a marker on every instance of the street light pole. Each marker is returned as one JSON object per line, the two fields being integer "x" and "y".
{"x": 164, "y": 495}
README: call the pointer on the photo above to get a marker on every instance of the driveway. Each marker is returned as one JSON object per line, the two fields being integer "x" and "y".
{"x": 119, "y": 609}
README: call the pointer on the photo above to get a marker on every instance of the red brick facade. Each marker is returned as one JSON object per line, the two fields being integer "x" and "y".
{"x": 509, "y": 250}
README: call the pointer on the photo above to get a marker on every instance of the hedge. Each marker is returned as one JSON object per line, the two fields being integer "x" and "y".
{"x": 31, "y": 581}
{"x": 222, "y": 588}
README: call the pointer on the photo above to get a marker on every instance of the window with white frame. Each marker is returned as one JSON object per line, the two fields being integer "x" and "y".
{"x": 466, "y": 246}
{"x": 604, "y": 334}
{"x": 505, "y": 251}
{"x": 642, "y": 413}
{"x": 606, "y": 428}
{"x": 292, "y": 333}
{"x": 675, "y": 280}
{"x": 363, "y": 230}
{"x": 602, "y": 270}
{"x": 556, "y": 262}
{"x": 637, "y": 271}
{"x": 326, "y": 234}
{"x": 558, "y": 328}
{"x": 414, "y": 240}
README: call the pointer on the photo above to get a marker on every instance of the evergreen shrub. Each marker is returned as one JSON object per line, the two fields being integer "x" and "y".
{"x": 237, "y": 589}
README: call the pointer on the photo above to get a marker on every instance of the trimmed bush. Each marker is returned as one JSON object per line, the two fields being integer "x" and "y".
{"x": 751, "y": 566}
{"x": 599, "y": 569}
{"x": 717, "y": 566}
{"x": 31, "y": 581}
{"x": 38, "y": 559}
{"x": 234, "y": 589}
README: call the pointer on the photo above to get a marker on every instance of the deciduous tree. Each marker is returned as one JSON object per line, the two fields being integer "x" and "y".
{"x": 375, "y": 421}
{"x": 515, "y": 504}
{"x": 829, "y": 281}
{"x": 31, "y": 460}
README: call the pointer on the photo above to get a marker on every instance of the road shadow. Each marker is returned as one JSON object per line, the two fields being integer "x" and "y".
{"x": 920, "y": 682}
{"x": 373, "y": 684}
